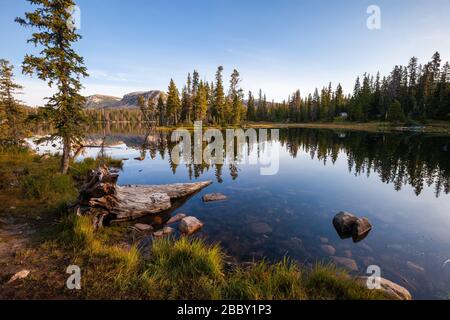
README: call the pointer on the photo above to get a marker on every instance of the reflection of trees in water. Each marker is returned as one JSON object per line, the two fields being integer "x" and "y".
{"x": 400, "y": 159}
{"x": 417, "y": 160}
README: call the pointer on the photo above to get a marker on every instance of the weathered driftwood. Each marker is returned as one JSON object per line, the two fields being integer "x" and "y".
{"x": 101, "y": 197}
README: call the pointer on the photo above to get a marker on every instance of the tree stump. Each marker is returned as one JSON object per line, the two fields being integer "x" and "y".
{"x": 101, "y": 197}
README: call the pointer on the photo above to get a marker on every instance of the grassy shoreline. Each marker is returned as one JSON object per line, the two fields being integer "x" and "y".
{"x": 441, "y": 127}
{"x": 34, "y": 198}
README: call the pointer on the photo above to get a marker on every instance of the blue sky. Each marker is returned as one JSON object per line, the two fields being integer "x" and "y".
{"x": 277, "y": 45}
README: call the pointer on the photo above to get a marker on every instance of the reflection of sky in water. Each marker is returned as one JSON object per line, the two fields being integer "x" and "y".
{"x": 298, "y": 204}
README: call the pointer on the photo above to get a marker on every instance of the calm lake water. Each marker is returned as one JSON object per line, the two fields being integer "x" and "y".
{"x": 401, "y": 182}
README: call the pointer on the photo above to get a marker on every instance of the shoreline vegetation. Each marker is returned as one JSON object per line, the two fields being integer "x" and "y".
{"x": 432, "y": 126}
{"x": 43, "y": 238}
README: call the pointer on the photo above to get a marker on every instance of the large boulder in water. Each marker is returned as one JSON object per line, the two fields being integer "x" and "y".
{"x": 212, "y": 197}
{"x": 343, "y": 223}
{"x": 390, "y": 288}
{"x": 361, "y": 229}
{"x": 348, "y": 225}
{"x": 190, "y": 225}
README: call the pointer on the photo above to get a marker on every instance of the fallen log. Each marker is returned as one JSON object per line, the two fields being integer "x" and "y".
{"x": 101, "y": 197}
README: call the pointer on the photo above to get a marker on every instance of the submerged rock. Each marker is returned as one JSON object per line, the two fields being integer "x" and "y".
{"x": 190, "y": 225}
{"x": 214, "y": 197}
{"x": 343, "y": 222}
{"x": 176, "y": 218}
{"x": 323, "y": 240}
{"x": 167, "y": 231}
{"x": 143, "y": 227}
{"x": 19, "y": 275}
{"x": 330, "y": 250}
{"x": 361, "y": 229}
{"x": 348, "y": 225}
{"x": 261, "y": 228}
{"x": 415, "y": 267}
{"x": 390, "y": 288}
{"x": 348, "y": 253}
{"x": 347, "y": 263}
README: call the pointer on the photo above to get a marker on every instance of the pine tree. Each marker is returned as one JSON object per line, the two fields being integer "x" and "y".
{"x": 395, "y": 113}
{"x": 219, "y": 104}
{"x": 412, "y": 86}
{"x": 173, "y": 104}
{"x": 315, "y": 105}
{"x": 251, "y": 112}
{"x": 236, "y": 98}
{"x": 195, "y": 89}
{"x": 201, "y": 101}
{"x": 12, "y": 114}
{"x": 339, "y": 99}
{"x": 444, "y": 93}
{"x": 375, "y": 107}
{"x": 161, "y": 111}
{"x": 60, "y": 66}
{"x": 186, "y": 105}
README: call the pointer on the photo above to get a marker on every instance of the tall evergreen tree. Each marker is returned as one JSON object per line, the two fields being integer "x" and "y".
{"x": 201, "y": 102}
{"x": 339, "y": 99}
{"x": 219, "y": 104}
{"x": 161, "y": 111}
{"x": 186, "y": 105}
{"x": 173, "y": 104}
{"x": 237, "y": 104}
{"x": 251, "y": 112}
{"x": 195, "y": 88}
{"x": 60, "y": 66}
{"x": 12, "y": 114}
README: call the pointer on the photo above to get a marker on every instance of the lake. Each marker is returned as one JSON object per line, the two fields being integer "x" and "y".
{"x": 400, "y": 181}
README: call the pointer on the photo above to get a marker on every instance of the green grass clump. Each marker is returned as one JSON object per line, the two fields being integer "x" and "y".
{"x": 281, "y": 281}
{"x": 327, "y": 282}
{"x": 109, "y": 271}
{"x": 185, "y": 269}
{"x": 46, "y": 185}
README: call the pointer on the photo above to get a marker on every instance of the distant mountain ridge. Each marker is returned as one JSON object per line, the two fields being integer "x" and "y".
{"x": 129, "y": 101}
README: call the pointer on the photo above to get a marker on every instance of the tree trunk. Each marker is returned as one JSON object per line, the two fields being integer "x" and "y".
{"x": 102, "y": 198}
{"x": 65, "y": 161}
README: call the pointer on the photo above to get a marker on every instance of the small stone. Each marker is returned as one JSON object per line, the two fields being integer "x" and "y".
{"x": 330, "y": 250}
{"x": 343, "y": 222}
{"x": 348, "y": 253}
{"x": 323, "y": 240}
{"x": 176, "y": 218}
{"x": 347, "y": 263}
{"x": 214, "y": 197}
{"x": 415, "y": 267}
{"x": 190, "y": 225}
{"x": 19, "y": 275}
{"x": 390, "y": 288}
{"x": 143, "y": 227}
{"x": 261, "y": 228}
{"x": 167, "y": 231}
{"x": 361, "y": 229}
{"x": 296, "y": 241}
{"x": 368, "y": 261}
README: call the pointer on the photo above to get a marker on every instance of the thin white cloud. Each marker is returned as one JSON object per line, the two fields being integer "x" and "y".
{"x": 113, "y": 77}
